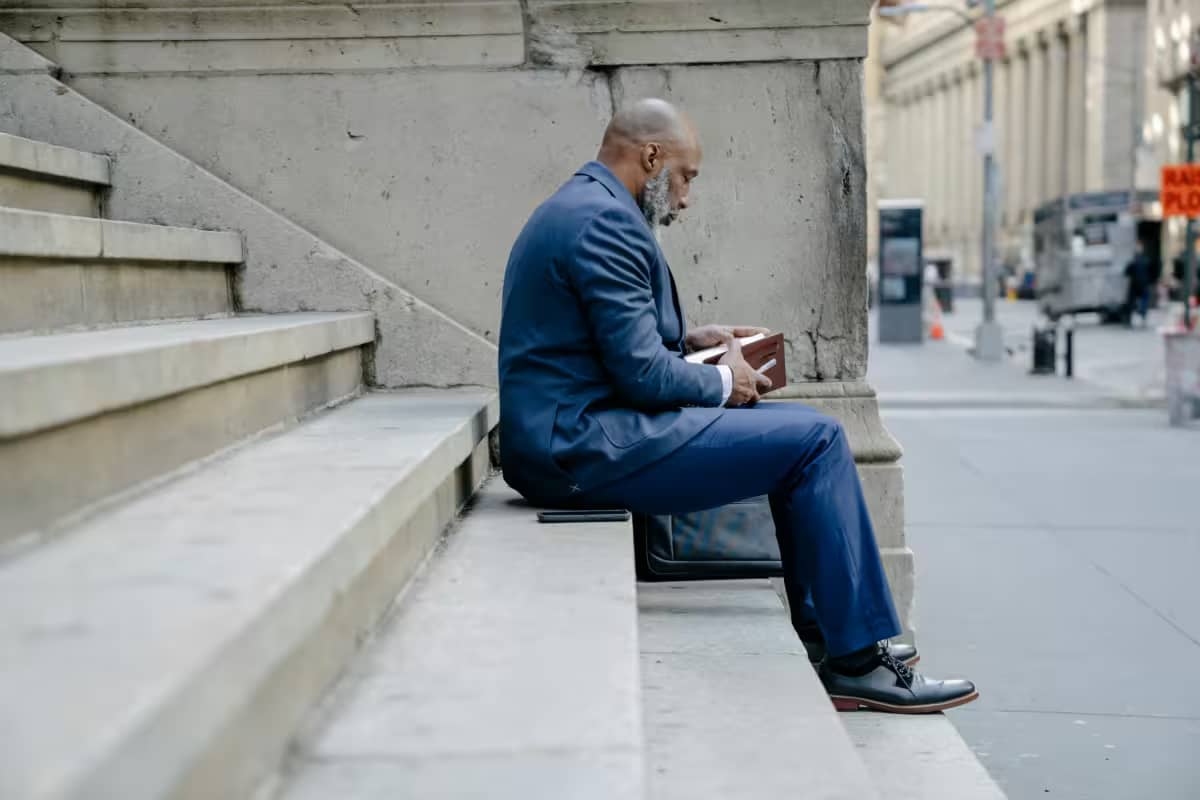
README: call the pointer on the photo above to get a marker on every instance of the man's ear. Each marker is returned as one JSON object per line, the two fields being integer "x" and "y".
{"x": 652, "y": 156}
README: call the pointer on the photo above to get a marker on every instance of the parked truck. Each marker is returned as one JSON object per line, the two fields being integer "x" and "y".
{"x": 1082, "y": 244}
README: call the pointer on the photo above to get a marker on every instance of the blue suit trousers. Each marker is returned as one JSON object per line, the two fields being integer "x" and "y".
{"x": 801, "y": 460}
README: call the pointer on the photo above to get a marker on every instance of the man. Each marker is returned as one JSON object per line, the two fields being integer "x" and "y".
{"x": 1139, "y": 273}
{"x": 600, "y": 409}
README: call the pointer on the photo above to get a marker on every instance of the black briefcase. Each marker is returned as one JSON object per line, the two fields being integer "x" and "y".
{"x": 732, "y": 542}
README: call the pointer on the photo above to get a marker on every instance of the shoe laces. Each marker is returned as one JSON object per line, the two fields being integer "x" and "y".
{"x": 896, "y": 665}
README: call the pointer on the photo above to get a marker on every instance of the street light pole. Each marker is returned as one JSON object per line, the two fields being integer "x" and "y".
{"x": 1189, "y": 259}
{"x": 989, "y": 337}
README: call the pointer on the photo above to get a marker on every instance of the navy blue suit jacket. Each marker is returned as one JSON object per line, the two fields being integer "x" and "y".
{"x": 593, "y": 384}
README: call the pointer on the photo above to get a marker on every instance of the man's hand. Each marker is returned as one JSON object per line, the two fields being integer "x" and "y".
{"x": 713, "y": 335}
{"x": 747, "y": 383}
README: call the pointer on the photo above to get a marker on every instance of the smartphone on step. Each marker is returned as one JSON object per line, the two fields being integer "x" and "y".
{"x": 584, "y": 515}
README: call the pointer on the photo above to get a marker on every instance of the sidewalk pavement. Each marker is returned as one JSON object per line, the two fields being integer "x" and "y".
{"x": 1057, "y": 539}
{"x": 943, "y": 374}
{"x": 1126, "y": 365}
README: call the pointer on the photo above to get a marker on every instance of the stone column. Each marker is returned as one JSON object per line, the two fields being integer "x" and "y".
{"x": 959, "y": 134}
{"x": 1018, "y": 101}
{"x": 1093, "y": 63}
{"x": 948, "y": 163}
{"x": 928, "y": 122}
{"x": 949, "y": 174}
{"x": 907, "y": 155}
{"x": 1035, "y": 136}
{"x": 1076, "y": 94}
{"x": 913, "y": 152}
{"x": 897, "y": 148}
{"x": 1054, "y": 167}
{"x": 936, "y": 151}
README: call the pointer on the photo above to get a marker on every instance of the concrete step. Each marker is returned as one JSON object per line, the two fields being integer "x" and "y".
{"x": 510, "y": 670}
{"x": 169, "y": 648}
{"x": 919, "y": 758}
{"x": 61, "y": 271}
{"x": 43, "y": 177}
{"x": 733, "y": 709}
{"x": 89, "y": 414}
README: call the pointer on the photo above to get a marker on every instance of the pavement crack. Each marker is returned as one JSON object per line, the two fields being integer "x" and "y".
{"x": 1129, "y": 591}
{"x": 1124, "y": 587}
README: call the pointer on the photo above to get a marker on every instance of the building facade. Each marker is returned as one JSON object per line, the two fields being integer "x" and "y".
{"x": 1173, "y": 49}
{"x": 1069, "y": 104}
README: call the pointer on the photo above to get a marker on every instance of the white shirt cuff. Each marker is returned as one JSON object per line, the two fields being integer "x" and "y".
{"x": 726, "y": 382}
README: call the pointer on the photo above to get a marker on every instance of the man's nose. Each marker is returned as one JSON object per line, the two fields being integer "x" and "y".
{"x": 684, "y": 202}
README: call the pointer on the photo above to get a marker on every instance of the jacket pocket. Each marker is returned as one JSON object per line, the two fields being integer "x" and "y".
{"x": 623, "y": 428}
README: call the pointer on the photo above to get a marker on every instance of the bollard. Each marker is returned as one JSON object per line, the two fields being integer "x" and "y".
{"x": 1070, "y": 354}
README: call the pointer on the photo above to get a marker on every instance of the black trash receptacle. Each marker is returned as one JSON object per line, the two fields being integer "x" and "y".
{"x": 1045, "y": 357}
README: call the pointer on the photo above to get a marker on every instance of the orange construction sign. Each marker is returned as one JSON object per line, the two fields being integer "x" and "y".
{"x": 1180, "y": 190}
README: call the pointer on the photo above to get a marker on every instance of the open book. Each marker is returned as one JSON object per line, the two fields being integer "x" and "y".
{"x": 763, "y": 352}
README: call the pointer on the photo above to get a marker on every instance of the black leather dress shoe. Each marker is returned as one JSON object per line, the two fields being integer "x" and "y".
{"x": 892, "y": 686}
{"x": 904, "y": 653}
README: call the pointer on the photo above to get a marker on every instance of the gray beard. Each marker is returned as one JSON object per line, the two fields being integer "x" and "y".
{"x": 655, "y": 201}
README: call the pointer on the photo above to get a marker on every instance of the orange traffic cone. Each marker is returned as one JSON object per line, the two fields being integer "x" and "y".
{"x": 937, "y": 331}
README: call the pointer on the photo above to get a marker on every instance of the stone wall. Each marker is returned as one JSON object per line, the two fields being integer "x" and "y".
{"x": 417, "y": 138}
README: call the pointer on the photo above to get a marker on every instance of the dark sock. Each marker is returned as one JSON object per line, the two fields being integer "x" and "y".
{"x": 860, "y": 662}
{"x": 808, "y": 632}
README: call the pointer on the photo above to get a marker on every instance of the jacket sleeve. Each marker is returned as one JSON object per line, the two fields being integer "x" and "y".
{"x": 610, "y": 270}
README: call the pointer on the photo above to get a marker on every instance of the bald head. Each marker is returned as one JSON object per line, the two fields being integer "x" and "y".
{"x": 646, "y": 121}
{"x": 652, "y": 147}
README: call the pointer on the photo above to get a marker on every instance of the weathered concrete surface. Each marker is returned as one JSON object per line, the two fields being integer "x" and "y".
{"x": 425, "y": 176}
{"x": 42, "y": 295}
{"x": 415, "y": 195}
{"x": 117, "y": 36}
{"x": 51, "y": 161}
{"x": 41, "y": 177}
{"x": 580, "y": 32}
{"x": 919, "y": 758}
{"x": 20, "y": 190}
{"x": 732, "y": 706}
{"x": 286, "y": 268}
{"x": 16, "y": 59}
{"x": 510, "y": 670}
{"x": 171, "y": 647}
{"x": 48, "y": 480}
{"x": 778, "y": 235}
{"x": 277, "y": 35}
{"x": 38, "y": 234}
{"x": 52, "y": 380}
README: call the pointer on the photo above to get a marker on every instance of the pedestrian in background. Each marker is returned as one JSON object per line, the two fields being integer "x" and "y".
{"x": 1138, "y": 271}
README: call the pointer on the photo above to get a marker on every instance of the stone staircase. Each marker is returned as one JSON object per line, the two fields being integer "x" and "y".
{"x": 202, "y": 512}
{"x": 207, "y": 520}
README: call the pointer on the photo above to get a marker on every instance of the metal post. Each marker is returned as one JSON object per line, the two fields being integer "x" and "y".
{"x": 1189, "y": 269}
{"x": 1070, "y": 365}
{"x": 989, "y": 337}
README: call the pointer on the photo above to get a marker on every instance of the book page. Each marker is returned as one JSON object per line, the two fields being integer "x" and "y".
{"x": 700, "y": 356}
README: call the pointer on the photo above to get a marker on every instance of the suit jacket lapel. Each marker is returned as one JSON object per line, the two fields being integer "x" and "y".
{"x": 678, "y": 309}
